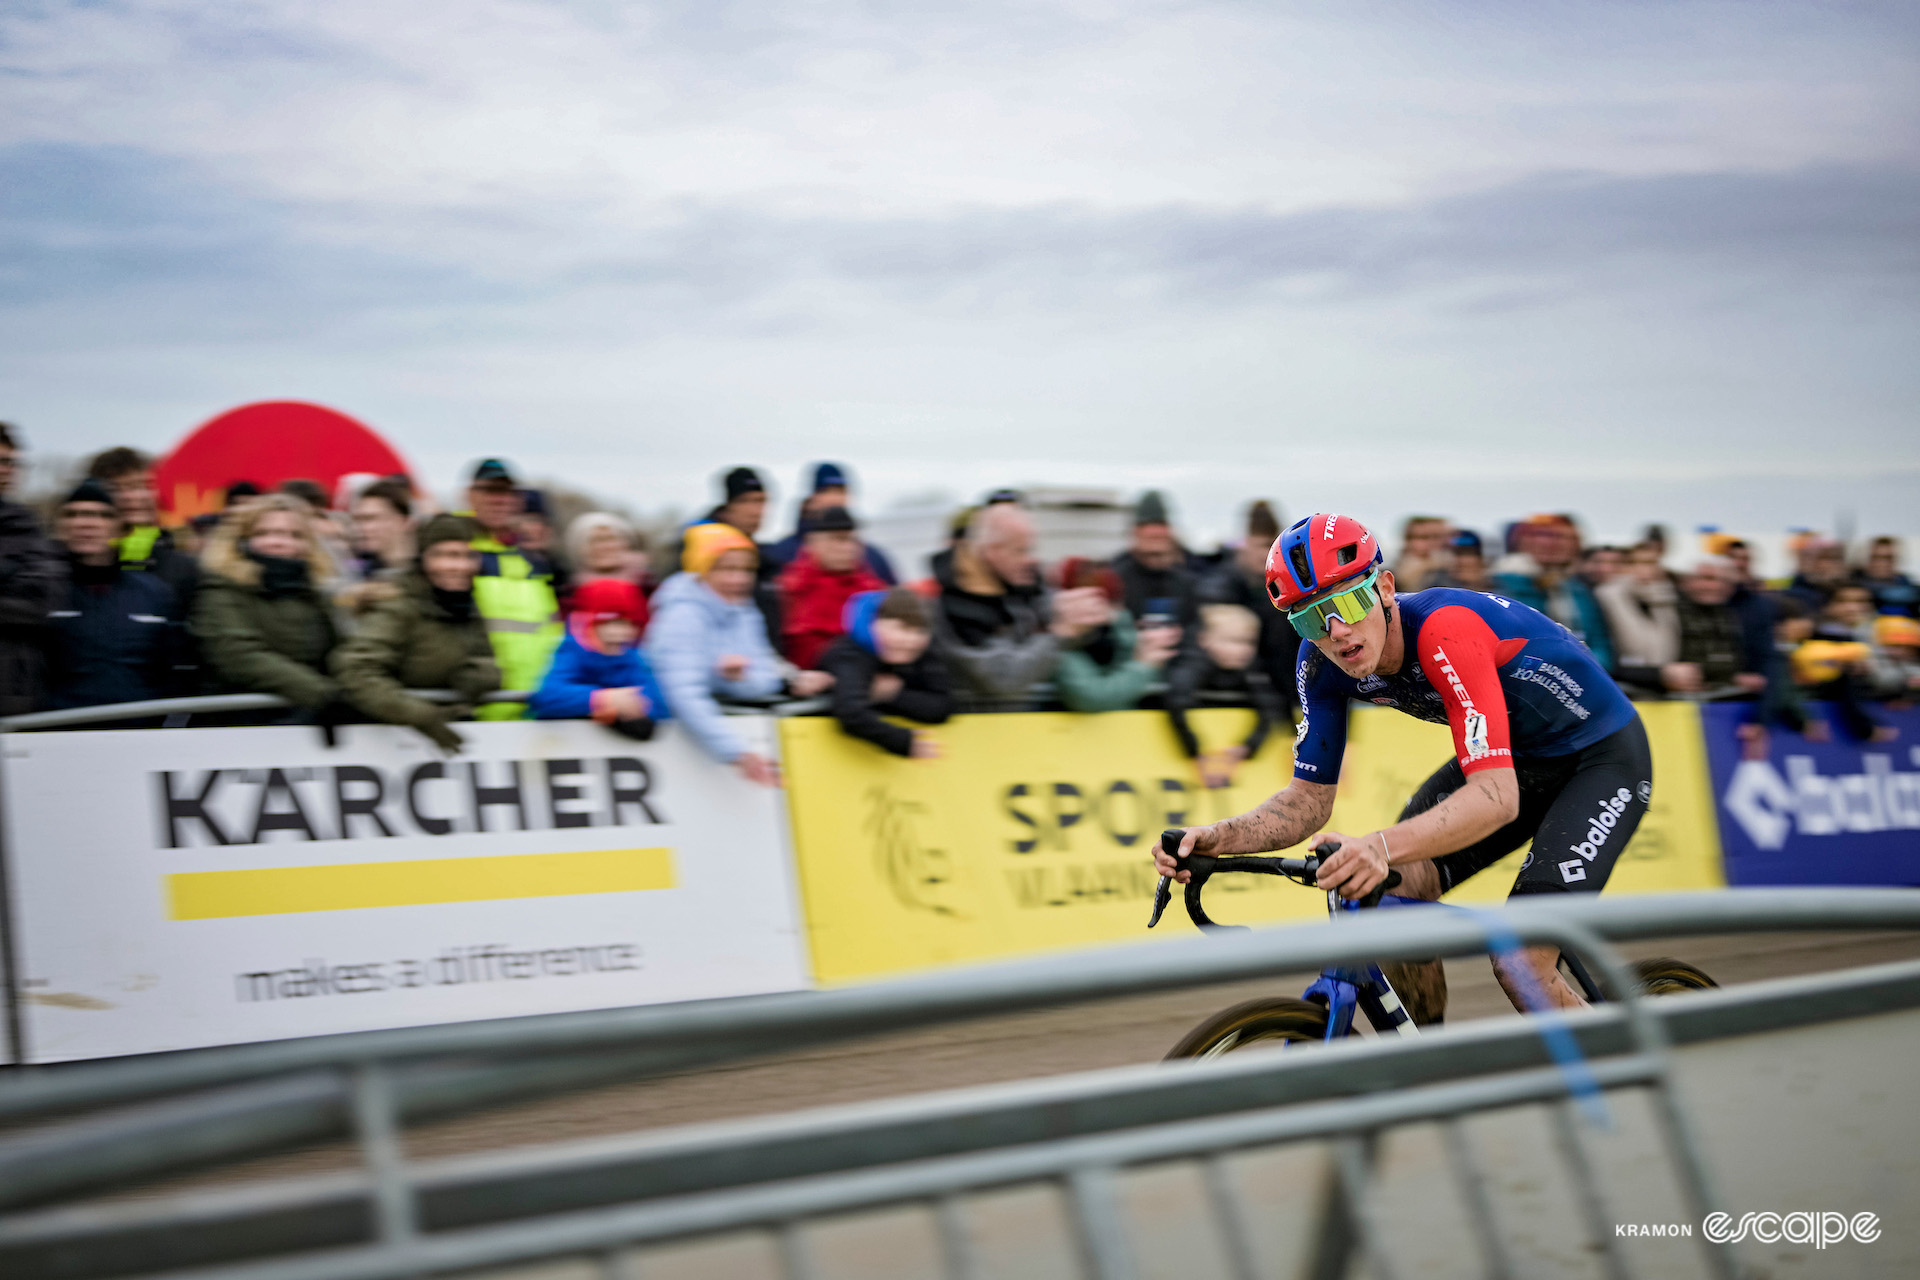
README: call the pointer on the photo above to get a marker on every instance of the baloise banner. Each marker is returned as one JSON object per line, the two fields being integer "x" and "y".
{"x": 1834, "y": 812}
{"x": 181, "y": 888}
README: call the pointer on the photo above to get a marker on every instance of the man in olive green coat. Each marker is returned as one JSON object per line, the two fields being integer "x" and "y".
{"x": 426, "y": 636}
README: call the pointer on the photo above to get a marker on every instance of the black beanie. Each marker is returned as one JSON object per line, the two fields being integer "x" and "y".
{"x": 741, "y": 481}
{"x": 91, "y": 490}
{"x": 1151, "y": 509}
{"x": 832, "y": 520}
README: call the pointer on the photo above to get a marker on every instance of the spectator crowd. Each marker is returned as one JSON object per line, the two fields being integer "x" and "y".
{"x": 353, "y": 613}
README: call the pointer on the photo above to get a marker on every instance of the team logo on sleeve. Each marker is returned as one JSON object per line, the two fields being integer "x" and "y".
{"x": 1453, "y": 678}
{"x": 1300, "y": 688}
{"x": 1474, "y": 734}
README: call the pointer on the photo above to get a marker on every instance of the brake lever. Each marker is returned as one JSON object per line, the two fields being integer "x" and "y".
{"x": 1162, "y": 895}
{"x": 1163, "y": 892}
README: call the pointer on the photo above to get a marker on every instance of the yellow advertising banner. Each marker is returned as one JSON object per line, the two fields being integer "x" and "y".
{"x": 1677, "y": 846}
{"x": 1034, "y": 831}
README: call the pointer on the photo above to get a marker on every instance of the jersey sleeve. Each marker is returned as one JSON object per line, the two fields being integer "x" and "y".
{"x": 1458, "y": 651}
{"x": 1321, "y": 740}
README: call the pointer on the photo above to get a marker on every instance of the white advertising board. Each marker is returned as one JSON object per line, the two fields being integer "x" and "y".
{"x": 173, "y": 889}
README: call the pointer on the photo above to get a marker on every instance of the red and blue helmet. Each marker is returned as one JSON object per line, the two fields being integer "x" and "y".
{"x": 1317, "y": 555}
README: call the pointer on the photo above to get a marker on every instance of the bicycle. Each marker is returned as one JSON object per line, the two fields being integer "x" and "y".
{"x": 1326, "y": 1009}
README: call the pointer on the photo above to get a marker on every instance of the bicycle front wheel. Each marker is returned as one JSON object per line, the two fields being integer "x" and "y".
{"x": 1665, "y": 976}
{"x": 1280, "y": 1020}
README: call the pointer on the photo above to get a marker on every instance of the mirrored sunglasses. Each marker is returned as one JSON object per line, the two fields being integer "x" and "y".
{"x": 1351, "y": 605}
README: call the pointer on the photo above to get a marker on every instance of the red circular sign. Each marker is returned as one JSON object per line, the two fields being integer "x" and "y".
{"x": 268, "y": 443}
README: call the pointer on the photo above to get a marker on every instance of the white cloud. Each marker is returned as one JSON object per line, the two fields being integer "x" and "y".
{"x": 607, "y": 116}
{"x": 991, "y": 242}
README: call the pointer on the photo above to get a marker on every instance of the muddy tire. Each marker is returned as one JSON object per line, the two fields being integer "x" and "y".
{"x": 1664, "y": 976}
{"x": 1267, "y": 1022}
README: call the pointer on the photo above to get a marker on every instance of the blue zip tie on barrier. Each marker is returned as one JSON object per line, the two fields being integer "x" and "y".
{"x": 1504, "y": 943}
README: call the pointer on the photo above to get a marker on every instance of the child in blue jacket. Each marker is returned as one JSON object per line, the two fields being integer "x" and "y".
{"x": 599, "y": 672}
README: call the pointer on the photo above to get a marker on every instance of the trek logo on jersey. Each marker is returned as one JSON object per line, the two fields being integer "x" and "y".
{"x": 1453, "y": 678}
{"x": 1475, "y": 737}
{"x": 1599, "y": 827}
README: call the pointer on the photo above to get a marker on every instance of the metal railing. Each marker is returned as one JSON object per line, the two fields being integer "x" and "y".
{"x": 182, "y": 709}
{"x": 1079, "y": 1132}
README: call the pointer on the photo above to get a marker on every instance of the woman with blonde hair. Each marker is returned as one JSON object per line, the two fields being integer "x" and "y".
{"x": 261, "y": 614}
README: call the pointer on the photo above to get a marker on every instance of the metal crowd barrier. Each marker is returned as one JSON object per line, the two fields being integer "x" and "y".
{"x": 600, "y": 1199}
{"x": 183, "y": 709}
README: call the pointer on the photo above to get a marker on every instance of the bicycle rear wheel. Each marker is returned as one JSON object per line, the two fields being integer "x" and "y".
{"x": 1280, "y": 1020}
{"x": 1664, "y": 976}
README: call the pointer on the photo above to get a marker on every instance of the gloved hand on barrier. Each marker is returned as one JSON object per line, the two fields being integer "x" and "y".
{"x": 434, "y": 722}
{"x": 474, "y": 678}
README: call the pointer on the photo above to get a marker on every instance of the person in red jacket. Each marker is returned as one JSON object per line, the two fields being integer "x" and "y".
{"x": 830, "y": 570}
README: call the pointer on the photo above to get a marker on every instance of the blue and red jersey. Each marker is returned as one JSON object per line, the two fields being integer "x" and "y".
{"x": 1509, "y": 680}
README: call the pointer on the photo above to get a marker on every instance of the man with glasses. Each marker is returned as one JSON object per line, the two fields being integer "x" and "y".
{"x": 1546, "y": 747}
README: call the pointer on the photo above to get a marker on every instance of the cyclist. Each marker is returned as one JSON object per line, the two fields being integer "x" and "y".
{"x": 1546, "y": 747}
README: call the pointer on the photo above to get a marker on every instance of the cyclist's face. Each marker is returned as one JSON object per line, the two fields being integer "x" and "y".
{"x": 1357, "y": 647}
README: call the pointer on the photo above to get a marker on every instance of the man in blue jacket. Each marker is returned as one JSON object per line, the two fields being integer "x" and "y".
{"x": 830, "y": 489}
{"x": 116, "y": 635}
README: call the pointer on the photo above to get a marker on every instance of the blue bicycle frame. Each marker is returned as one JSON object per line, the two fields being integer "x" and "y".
{"x": 1349, "y": 989}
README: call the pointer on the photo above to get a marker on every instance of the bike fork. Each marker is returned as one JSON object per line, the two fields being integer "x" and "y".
{"x": 1349, "y": 990}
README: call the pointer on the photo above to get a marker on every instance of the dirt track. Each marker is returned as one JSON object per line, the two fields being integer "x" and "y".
{"x": 1050, "y": 1042}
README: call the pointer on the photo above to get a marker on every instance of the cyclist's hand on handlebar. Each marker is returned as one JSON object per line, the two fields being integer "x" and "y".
{"x": 1354, "y": 868}
{"x": 1166, "y": 866}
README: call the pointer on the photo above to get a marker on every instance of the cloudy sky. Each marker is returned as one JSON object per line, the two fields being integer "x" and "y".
{"x": 1641, "y": 260}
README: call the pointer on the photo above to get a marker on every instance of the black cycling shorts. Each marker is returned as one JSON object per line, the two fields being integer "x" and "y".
{"x": 1579, "y": 810}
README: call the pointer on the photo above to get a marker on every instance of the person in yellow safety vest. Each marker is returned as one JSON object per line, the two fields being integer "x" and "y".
{"x": 513, "y": 590}
{"x": 143, "y": 546}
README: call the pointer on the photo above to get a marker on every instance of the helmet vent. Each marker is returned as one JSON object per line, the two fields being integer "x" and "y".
{"x": 1302, "y": 569}
{"x": 1347, "y": 554}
